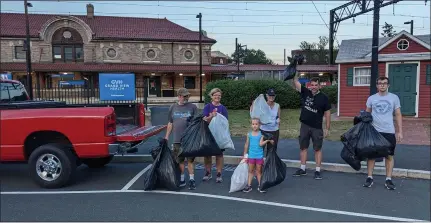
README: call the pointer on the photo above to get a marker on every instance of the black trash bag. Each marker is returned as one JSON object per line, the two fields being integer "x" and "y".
{"x": 197, "y": 140}
{"x": 165, "y": 171}
{"x": 274, "y": 170}
{"x": 366, "y": 141}
{"x": 168, "y": 171}
{"x": 267, "y": 136}
{"x": 350, "y": 158}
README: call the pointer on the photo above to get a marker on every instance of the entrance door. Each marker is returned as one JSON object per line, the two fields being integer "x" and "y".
{"x": 154, "y": 86}
{"x": 402, "y": 79}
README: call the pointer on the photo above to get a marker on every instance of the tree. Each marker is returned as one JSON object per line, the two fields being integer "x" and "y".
{"x": 252, "y": 56}
{"x": 316, "y": 53}
{"x": 388, "y": 30}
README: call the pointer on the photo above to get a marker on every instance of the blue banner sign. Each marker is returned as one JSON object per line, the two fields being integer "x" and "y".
{"x": 6, "y": 76}
{"x": 117, "y": 86}
{"x": 74, "y": 82}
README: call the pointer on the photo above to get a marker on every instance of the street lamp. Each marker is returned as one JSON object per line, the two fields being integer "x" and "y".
{"x": 199, "y": 16}
{"x": 28, "y": 55}
{"x": 411, "y": 26}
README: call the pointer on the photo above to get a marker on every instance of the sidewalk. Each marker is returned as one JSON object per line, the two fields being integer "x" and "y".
{"x": 406, "y": 156}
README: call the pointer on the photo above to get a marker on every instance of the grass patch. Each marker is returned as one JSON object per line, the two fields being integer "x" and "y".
{"x": 239, "y": 121}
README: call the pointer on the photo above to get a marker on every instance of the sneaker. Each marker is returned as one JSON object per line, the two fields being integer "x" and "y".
{"x": 219, "y": 179}
{"x": 192, "y": 185}
{"x": 368, "y": 182}
{"x": 207, "y": 176}
{"x": 300, "y": 172}
{"x": 389, "y": 185}
{"x": 317, "y": 175}
{"x": 182, "y": 183}
{"x": 260, "y": 190}
{"x": 247, "y": 189}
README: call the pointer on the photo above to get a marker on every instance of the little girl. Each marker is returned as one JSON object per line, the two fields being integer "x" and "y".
{"x": 253, "y": 151}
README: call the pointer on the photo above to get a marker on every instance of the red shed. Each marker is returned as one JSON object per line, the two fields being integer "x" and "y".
{"x": 405, "y": 59}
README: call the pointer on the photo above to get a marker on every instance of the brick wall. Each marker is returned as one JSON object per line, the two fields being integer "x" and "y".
{"x": 126, "y": 52}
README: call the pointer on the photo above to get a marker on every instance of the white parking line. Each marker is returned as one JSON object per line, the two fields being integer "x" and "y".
{"x": 354, "y": 214}
{"x": 132, "y": 181}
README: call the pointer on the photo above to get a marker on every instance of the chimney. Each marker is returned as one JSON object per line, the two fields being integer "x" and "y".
{"x": 90, "y": 11}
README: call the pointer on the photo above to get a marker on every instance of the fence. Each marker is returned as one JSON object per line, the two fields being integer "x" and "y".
{"x": 81, "y": 95}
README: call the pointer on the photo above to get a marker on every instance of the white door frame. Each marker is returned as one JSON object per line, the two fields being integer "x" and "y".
{"x": 417, "y": 80}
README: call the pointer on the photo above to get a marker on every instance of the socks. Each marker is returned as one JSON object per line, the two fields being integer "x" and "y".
{"x": 370, "y": 177}
{"x": 388, "y": 178}
{"x": 302, "y": 167}
{"x": 192, "y": 177}
{"x": 318, "y": 168}
{"x": 182, "y": 177}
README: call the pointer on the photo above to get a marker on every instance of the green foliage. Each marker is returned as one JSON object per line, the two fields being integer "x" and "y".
{"x": 332, "y": 93}
{"x": 240, "y": 94}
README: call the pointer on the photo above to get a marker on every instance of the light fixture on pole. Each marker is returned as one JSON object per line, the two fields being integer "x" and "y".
{"x": 28, "y": 50}
{"x": 411, "y": 26}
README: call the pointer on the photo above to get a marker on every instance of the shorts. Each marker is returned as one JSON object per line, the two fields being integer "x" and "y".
{"x": 306, "y": 132}
{"x": 392, "y": 139}
{"x": 176, "y": 147}
{"x": 255, "y": 161}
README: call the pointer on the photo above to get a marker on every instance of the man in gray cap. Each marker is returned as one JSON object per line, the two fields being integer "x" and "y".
{"x": 179, "y": 116}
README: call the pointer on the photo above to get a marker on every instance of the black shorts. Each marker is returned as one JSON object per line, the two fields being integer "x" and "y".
{"x": 306, "y": 133}
{"x": 392, "y": 139}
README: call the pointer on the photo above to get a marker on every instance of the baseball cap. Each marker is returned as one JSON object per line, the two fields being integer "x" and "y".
{"x": 270, "y": 92}
{"x": 183, "y": 92}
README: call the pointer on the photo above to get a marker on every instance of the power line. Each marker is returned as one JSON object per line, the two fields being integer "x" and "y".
{"x": 216, "y": 20}
{"x": 324, "y": 22}
{"x": 221, "y": 8}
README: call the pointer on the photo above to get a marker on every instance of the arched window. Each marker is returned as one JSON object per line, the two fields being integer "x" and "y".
{"x": 67, "y": 46}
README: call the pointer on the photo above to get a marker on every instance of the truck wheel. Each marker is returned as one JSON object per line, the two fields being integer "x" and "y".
{"x": 52, "y": 165}
{"x": 97, "y": 162}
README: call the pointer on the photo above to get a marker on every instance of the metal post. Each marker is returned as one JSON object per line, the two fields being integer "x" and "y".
{"x": 200, "y": 56}
{"x": 375, "y": 48}
{"x": 28, "y": 52}
{"x": 284, "y": 63}
{"x": 411, "y": 26}
{"x": 331, "y": 37}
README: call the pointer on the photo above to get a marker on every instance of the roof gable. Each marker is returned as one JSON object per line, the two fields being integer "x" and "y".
{"x": 105, "y": 27}
{"x": 359, "y": 49}
{"x": 398, "y": 36}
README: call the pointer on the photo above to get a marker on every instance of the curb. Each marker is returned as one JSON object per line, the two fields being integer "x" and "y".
{"x": 332, "y": 167}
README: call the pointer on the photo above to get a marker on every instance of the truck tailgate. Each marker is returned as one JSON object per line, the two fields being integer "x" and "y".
{"x": 140, "y": 133}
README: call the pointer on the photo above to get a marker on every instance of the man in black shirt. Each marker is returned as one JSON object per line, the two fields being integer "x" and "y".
{"x": 314, "y": 105}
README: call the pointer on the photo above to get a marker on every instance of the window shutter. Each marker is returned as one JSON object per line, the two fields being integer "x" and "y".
{"x": 350, "y": 76}
{"x": 428, "y": 74}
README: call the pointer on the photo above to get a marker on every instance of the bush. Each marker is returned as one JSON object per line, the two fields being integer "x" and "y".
{"x": 240, "y": 94}
{"x": 332, "y": 93}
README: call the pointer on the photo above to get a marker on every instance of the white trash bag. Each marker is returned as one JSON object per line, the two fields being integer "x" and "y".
{"x": 219, "y": 127}
{"x": 261, "y": 110}
{"x": 239, "y": 179}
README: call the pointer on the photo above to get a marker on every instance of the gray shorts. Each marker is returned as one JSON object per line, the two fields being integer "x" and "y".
{"x": 306, "y": 132}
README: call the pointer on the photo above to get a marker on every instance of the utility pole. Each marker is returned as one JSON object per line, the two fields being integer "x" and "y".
{"x": 28, "y": 52}
{"x": 284, "y": 63}
{"x": 375, "y": 48}
{"x": 200, "y": 56}
{"x": 237, "y": 54}
{"x": 411, "y": 25}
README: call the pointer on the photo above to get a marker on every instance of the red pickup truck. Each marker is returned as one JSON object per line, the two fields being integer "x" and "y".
{"x": 55, "y": 138}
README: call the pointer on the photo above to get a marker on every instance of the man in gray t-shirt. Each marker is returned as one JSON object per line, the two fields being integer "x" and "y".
{"x": 383, "y": 106}
{"x": 179, "y": 117}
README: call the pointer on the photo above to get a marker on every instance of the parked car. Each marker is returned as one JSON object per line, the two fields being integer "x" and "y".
{"x": 55, "y": 138}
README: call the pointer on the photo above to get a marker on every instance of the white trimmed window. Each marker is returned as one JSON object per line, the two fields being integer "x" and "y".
{"x": 361, "y": 76}
{"x": 403, "y": 44}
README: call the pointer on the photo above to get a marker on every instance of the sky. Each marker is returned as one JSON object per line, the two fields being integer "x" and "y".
{"x": 271, "y": 26}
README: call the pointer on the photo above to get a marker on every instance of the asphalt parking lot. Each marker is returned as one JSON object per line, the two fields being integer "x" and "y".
{"x": 115, "y": 193}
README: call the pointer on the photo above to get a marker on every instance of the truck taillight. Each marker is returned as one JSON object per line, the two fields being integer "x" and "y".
{"x": 110, "y": 125}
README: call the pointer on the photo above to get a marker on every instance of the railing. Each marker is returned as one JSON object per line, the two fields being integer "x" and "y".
{"x": 81, "y": 95}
